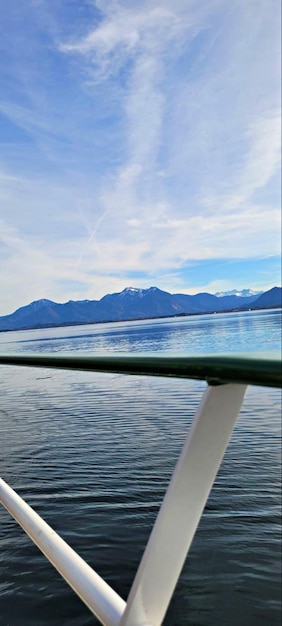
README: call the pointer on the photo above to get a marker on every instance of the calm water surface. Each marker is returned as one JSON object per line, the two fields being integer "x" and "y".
{"x": 93, "y": 453}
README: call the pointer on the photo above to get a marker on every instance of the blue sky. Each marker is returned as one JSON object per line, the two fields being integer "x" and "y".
{"x": 140, "y": 145}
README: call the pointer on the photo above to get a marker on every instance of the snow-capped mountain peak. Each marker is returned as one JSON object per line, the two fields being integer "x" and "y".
{"x": 134, "y": 291}
{"x": 243, "y": 293}
{"x": 130, "y": 291}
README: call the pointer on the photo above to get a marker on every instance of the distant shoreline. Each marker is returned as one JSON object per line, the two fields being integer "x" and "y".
{"x": 140, "y": 319}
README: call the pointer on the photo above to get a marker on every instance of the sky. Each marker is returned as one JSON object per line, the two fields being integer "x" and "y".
{"x": 140, "y": 146}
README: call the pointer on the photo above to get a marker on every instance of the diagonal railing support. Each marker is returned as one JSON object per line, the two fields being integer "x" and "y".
{"x": 183, "y": 505}
{"x": 100, "y": 598}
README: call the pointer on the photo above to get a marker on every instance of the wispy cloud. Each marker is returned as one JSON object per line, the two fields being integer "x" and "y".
{"x": 137, "y": 138}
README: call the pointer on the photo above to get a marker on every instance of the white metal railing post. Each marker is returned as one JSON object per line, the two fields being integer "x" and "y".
{"x": 183, "y": 505}
{"x": 100, "y": 598}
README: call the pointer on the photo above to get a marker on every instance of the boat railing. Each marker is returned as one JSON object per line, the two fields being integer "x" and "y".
{"x": 188, "y": 490}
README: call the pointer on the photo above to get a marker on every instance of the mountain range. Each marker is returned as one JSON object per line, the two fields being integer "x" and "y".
{"x": 132, "y": 303}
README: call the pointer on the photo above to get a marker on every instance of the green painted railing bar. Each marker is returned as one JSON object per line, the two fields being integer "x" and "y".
{"x": 250, "y": 370}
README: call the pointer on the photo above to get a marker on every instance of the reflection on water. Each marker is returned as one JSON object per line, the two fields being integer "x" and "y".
{"x": 250, "y": 331}
{"x": 93, "y": 454}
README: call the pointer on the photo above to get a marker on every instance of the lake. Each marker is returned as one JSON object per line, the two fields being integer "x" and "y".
{"x": 93, "y": 454}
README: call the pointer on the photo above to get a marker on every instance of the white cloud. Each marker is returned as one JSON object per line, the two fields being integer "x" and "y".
{"x": 127, "y": 30}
